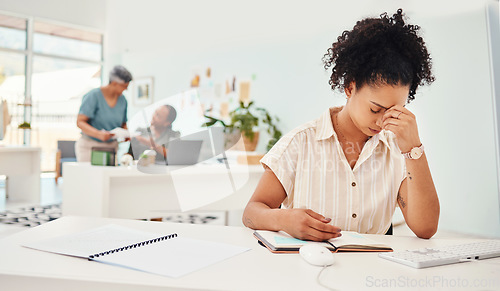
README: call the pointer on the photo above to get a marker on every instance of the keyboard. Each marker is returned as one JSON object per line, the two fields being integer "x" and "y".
{"x": 430, "y": 257}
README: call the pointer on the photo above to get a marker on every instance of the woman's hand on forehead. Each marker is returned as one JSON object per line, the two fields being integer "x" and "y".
{"x": 402, "y": 122}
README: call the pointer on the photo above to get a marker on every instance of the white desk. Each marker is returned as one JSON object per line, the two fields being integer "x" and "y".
{"x": 257, "y": 269}
{"x": 122, "y": 192}
{"x": 21, "y": 165}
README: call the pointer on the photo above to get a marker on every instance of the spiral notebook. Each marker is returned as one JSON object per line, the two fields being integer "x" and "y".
{"x": 138, "y": 250}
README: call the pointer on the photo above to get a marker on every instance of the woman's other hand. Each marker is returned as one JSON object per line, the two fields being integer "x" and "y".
{"x": 105, "y": 135}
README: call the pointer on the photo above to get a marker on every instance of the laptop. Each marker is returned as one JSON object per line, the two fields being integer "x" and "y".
{"x": 183, "y": 152}
{"x": 213, "y": 142}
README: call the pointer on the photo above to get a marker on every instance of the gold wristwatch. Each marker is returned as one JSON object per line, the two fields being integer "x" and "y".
{"x": 415, "y": 153}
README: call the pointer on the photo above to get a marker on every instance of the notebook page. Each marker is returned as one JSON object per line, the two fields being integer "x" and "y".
{"x": 173, "y": 257}
{"x": 84, "y": 244}
{"x": 353, "y": 238}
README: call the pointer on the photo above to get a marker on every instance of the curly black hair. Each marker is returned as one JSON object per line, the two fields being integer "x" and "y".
{"x": 382, "y": 50}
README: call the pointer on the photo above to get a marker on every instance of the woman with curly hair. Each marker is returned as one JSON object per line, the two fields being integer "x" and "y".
{"x": 348, "y": 169}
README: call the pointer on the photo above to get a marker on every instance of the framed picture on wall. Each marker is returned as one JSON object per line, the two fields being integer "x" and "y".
{"x": 142, "y": 91}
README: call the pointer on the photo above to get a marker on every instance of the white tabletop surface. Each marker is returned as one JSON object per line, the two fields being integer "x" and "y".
{"x": 19, "y": 148}
{"x": 162, "y": 169}
{"x": 257, "y": 269}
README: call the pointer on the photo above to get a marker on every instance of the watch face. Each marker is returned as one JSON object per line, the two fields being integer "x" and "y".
{"x": 416, "y": 153}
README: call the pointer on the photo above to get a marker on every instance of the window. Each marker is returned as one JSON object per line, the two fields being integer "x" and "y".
{"x": 12, "y": 32}
{"x": 56, "y": 65}
{"x": 13, "y": 37}
{"x": 56, "y": 40}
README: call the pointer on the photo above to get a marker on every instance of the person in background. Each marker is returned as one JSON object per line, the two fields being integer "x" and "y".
{"x": 160, "y": 135}
{"x": 349, "y": 169}
{"x": 102, "y": 110}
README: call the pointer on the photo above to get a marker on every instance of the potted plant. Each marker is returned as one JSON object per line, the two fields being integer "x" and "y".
{"x": 246, "y": 119}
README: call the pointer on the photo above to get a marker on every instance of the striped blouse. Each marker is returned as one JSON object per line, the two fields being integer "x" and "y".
{"x": 311, "y": 166}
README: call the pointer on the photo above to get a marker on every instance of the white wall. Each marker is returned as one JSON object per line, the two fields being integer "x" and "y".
{"x": 170, "y": 39}
{"x": 456, "y": 122}
{"x": 281, "y": 42}
{"x": 89, "y": 13}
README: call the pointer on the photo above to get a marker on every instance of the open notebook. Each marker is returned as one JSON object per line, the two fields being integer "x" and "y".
{"x": 168, "y": 255}
{"x": 281, "y": 242}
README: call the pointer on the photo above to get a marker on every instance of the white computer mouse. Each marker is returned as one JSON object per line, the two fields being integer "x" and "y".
{"x": 316, "y": 254}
